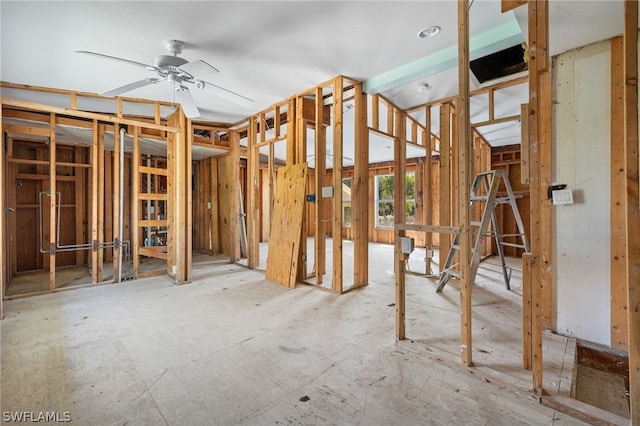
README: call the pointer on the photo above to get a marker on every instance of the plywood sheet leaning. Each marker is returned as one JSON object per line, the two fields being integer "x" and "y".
{"x": 282, "y": 261}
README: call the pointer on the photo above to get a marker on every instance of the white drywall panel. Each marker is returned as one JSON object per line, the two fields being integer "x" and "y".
{"x": 582, "y": 231}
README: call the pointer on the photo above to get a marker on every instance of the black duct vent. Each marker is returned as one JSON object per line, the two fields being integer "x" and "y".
{"x": 509, "y": 61}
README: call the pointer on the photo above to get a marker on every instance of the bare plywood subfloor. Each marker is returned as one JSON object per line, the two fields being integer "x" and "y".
{"x": 234, "y": 348}
{"x": 602, "y": 389}
{"x": 38, "y": 281}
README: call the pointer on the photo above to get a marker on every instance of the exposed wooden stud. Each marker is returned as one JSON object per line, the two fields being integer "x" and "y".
{"x": 79, "y": 198}
{"x": 401, "y": 297}
{"x": 445, "y": 181}
{"x": 400, "y": 170}
{"x": 524, "y": 144}
{"x": 375, "y": 111}
{"x": 360, "y": 214}
{"x": 52, "y": 203}
{"x": 136, "y": 189}
{"x": 427, "y": 190}
{"x": 464, "y": 180}
{"x": 496, "y": 120}
{"x": 507, "y": 5}
{"x": 4, "y": 274}
{"x": 300, "y": 147}
{"x": 253, "y": 206}
{"x": 98, "y": 268}
{"x": 234, "y": 222}
{"x": 619, "y": 307}
{"x": 187, "y": 192}
{"x": 291, "y": 131}
{"x": 336, "y": 229}
{"x": 320, "y": 246}
{"x": 632, "y": 205}
{"x": 491, "y": 104}
{"x": 538, "y": 50}
{"x": 118, "y": 168}
{"x": 526, "y": 311}
{"x": 214, "y": 213}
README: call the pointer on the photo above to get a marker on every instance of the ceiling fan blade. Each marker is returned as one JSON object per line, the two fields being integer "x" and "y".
{"x": 199, "y": 68}
{"x": 114, "y": 58}
{"x": 185, "y": 98}
{"x": 229, "y": 95}
{"x": 128, "y": 87}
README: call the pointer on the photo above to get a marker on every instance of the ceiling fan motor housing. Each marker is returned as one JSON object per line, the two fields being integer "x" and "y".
{"x": 166, "y": 61}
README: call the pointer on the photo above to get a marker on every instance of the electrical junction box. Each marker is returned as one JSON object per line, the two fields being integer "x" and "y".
{"x": 408, "y": 245}
{"x": 311, "y": 198}
{"x": 327, "y": 192}
{"x": 562, "y": 196}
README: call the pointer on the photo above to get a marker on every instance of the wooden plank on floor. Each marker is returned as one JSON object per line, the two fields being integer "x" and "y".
{"x": 286, "y": 227}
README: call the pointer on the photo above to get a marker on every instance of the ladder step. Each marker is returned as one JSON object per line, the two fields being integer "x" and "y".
{"x": 455, "y": 247}
{"x": 453, "y": 273}
{"x": 512, "y": 245}
{"x": 480, "y": 198}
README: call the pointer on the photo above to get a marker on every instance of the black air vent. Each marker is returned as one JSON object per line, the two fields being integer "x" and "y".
{"x": 500, "y": 64}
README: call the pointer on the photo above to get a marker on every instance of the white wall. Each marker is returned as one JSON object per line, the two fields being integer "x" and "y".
{"x": 582, "y": 161}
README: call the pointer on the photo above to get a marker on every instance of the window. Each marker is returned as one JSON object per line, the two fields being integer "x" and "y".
{"x": 346, "y": 201}
{"x": 385, "y": 189}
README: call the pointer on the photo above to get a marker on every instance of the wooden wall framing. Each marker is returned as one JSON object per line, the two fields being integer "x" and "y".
{"x": 102, "y": 231}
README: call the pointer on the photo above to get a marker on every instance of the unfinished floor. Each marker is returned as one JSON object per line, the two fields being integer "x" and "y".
{"x": 233, "y": 348}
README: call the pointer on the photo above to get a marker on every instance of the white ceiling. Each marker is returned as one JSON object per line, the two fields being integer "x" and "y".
{"x": 270, "y": 50}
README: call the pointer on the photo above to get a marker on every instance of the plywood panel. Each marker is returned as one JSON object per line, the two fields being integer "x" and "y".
{"x": 286, "y": 226}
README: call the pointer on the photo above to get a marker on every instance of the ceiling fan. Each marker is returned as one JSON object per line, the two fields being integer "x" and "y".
{"x": 178, "y": 71}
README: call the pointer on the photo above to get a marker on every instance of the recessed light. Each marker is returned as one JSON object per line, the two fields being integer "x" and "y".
{"x": 429, "y": 31}
{"x": 423, "y": 87}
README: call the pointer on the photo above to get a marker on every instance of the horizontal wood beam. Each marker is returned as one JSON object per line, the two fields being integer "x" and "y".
{"x": 15, "y": 103}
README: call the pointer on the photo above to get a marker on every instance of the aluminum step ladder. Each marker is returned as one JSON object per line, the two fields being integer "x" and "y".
{"x": 486, "y": 183}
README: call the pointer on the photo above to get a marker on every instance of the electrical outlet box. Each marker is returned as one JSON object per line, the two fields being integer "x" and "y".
{"x": 408, "y": 245}
{"x": 562, "y": 196}
{"x": 327, "y": 192}
{"x": 430, "y": 254}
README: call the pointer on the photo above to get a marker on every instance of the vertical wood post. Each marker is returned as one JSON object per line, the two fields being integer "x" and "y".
{"x": 252, "y": 213}
{"x": 539, "y": 147}
{"x": 336, "y": 229}
{"x": 360, "y": 217}
{"x": 400, "y": 285}
{"x": 52, "y": 202}
{"x": 234, "y": 226}
{"x": 320, "y": 176}
{"x": 619, "y": 318}
{"x": 135, "y": 201}
{"x": 526, "y": 311}
{"x": 427, "y": 190}
{"x": 301, "y": 157}
{"x": 445, "y": 182}
{"x": 117, "y": 190}
{"x": 4, "y": 274}
{"x": 464, "y": 180}
{"x": 633, "y": 200}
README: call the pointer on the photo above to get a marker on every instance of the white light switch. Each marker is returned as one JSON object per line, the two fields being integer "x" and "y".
{"x": 562, "y": 196}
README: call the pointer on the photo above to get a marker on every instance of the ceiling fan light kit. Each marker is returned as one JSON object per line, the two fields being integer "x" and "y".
{"x": 178, "y": 71}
